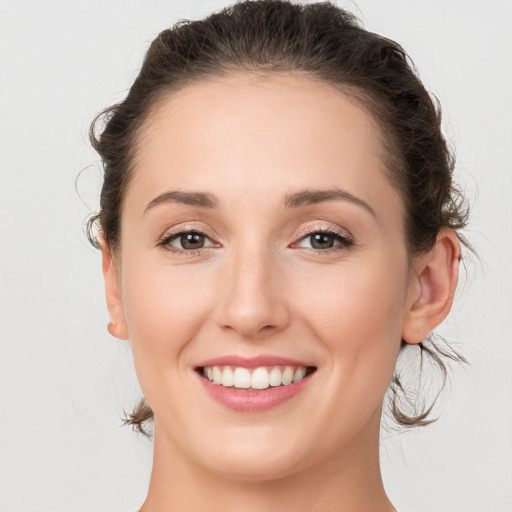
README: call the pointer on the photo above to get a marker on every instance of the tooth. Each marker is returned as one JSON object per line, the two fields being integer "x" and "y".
{"x": 217, "y": 375}
{"x": 259, "y": 378}
{"x": 299, "y": 374}
{"x": 242, "y": 378}
{"x": 287, "y": 376}
{"x": 227, "y": 376}
{"x": 275, "y": 377}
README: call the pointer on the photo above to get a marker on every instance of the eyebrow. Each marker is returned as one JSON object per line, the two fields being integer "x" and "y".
{"x": 310, "y": 196}
{"x": 294, "y": 200}
{"x": 204, "y": 199}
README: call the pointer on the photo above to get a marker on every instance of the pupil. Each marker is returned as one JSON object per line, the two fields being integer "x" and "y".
{"x": 322, "y": 241}
{"x": 192, "y": 241}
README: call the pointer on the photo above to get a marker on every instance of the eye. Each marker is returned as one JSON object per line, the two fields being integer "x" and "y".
{"x": 190, "y": 241}
{"x": 323, "y": 240}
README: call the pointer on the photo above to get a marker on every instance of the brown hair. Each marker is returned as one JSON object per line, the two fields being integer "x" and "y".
{"x": 324, "y": 43}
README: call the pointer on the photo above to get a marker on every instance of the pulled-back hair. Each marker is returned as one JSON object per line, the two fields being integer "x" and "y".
{"x": 324, "y": 43}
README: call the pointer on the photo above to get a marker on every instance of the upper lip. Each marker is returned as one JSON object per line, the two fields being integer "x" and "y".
{"x": 252, "y": 362}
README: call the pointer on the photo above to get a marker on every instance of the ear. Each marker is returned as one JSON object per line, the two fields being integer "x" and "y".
{"x": 117, "y": 326}
{"x": 432, "y": 287}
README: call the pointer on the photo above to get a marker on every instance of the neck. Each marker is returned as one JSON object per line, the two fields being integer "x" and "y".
{"x": 349, "y": 482}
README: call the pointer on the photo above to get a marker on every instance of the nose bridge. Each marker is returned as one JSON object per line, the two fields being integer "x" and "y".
{"x": 252, "y": 302}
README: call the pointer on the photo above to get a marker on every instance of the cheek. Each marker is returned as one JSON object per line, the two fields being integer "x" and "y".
{"x": 358, "y": 315}
{"x": 165, "y": 307}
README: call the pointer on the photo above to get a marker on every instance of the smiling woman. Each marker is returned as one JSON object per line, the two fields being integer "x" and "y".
{"x": 278, "y": 220}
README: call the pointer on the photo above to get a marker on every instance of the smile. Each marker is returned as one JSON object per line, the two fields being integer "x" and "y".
{"x": 253, "y": 384}
{"x": 260, "y": 378}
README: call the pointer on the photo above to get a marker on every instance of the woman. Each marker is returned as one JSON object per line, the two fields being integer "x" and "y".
{"x": 278, "y": 220}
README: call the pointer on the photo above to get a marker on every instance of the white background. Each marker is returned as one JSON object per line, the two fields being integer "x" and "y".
{"x": 64, "y": 381}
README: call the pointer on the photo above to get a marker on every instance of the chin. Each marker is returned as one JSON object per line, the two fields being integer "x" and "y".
{"x": 259, "y": 458}
{"x": 255, "y": 468}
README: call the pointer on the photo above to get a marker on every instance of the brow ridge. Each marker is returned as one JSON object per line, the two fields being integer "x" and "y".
{"x": 312, "y": 196}
{"x": 204, "y": 199}
{"x": 296, "y": 199}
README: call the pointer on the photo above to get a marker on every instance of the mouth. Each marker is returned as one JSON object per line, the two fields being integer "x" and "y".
{"x": 259, "y": 378}
{"x": 256, "y": 383}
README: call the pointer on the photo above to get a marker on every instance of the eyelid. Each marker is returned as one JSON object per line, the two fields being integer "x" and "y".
{"x": 322, "y": 228}
{"x": 173, "y": 233}
{"x": 346, "y": 240}
{"x": 186, "y": 227}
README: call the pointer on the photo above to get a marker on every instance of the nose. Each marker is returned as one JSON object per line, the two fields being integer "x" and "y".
{"x": 252, "y": 302}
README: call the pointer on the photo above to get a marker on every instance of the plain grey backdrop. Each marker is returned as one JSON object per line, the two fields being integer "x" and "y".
{"x": 64, "y": 382}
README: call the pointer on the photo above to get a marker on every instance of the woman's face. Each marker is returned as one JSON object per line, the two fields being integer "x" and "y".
{"x": 260, "y": 232}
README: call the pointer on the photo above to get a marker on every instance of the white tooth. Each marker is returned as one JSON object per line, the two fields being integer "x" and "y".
{"x": 275, "y": 376}
{"x": 227, "y": 376}
{"x": 209, "y": 373}
{"x": 259, "y": 378}
{"x": 205, "y": 373}
{"x": 299, "y": 374}
{"x": 242, "y": 378}
{"x": 287, "y": 376}
{"x": 217, "y": 375}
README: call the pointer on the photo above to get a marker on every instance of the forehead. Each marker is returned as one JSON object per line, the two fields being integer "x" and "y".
{"x": 247, "y": 133}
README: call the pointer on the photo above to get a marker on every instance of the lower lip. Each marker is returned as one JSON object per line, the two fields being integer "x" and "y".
{"x": 252, "y": 401}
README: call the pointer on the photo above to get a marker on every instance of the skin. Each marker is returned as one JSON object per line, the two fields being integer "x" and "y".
{"x": 259, "y": 286}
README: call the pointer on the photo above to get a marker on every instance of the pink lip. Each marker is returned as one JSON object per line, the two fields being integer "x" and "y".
{"x": 251, "y": 400}
{"x": 244, "y": 400}
{"x": 252, "y": 362}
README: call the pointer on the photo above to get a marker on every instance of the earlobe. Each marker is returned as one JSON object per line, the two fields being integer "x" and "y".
{"x": 117, "y": 326}
{"x": 432, "y": 288}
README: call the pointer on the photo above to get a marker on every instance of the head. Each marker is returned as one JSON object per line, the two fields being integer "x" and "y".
{"x": 276, "y": 182}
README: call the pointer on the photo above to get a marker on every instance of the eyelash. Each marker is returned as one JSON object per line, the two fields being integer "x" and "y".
{"x": 345, "y": 241}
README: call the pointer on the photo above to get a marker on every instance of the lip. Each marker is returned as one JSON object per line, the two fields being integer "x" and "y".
{"x": 252, "y": 362}
{"x": 244, "y": 400}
